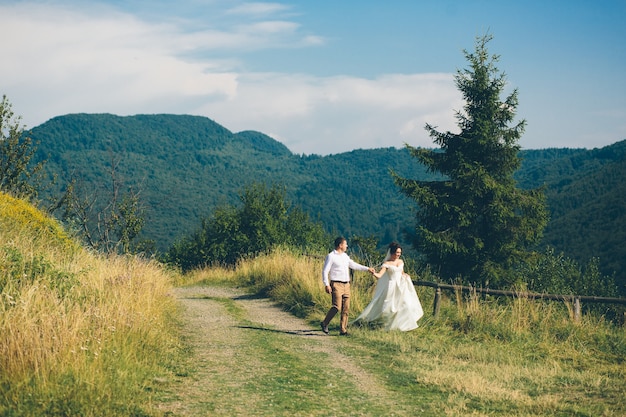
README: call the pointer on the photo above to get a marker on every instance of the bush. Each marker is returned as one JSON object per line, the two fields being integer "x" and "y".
{"x": 263, "y": 221}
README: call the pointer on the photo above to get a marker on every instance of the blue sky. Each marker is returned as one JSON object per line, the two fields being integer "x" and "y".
{"x": 322, "y": 76}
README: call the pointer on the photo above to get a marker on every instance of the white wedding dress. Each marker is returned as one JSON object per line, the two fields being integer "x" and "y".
{"x": 395, "y": 302}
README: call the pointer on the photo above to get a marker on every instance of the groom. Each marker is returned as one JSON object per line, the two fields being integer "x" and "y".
{"x": 336, "y": 279}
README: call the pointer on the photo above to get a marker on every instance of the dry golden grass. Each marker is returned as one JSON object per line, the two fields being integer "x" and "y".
{"x": 74, "y": 320}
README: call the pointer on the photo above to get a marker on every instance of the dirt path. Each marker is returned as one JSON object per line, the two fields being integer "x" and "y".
{"x": 219, "y": 338}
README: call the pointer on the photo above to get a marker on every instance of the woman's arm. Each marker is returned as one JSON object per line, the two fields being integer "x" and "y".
{"x": 381, "y": 272}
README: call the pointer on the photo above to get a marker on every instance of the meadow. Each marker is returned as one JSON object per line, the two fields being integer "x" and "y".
{"x": 481, "y": 356}
{"x": 92, "y": 335}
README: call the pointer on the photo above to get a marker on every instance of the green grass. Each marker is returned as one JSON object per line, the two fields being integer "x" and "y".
{"x": 270, "y": 372}
{"x": 491, "y": 376}
{"x": 511, "y": 357}
{"x": 289, "y": 372}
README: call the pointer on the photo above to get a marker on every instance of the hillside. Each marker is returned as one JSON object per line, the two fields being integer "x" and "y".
{"x": 585, "y": 191}
{"x": 185, "y": 166}
{"x": 588, "y": 207}
{"x": 73, "y": 322}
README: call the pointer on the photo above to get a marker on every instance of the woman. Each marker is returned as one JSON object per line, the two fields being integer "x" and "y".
{"x": 395, "y": 301}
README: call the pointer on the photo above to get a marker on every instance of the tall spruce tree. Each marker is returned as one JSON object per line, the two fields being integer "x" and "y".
{"x": 475, "y": 224}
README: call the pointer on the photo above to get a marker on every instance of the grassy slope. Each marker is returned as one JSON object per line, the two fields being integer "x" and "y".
{"x": 80, "y": 334}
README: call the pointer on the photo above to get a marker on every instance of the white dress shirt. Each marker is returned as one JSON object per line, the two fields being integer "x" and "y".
{"x": 337, "y": 267}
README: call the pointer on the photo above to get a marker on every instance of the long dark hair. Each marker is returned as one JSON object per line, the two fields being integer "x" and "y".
{"x": 393, "y": 247}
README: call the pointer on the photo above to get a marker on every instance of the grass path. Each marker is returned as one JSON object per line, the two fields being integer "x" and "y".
{"x": 252, "y": 358}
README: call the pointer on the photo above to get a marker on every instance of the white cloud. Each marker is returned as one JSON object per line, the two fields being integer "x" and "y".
{"x": 337, "y": 114}
{"x": 75, "y": 62}
{"x": 257, "y": 9}
{"x": 64, "y": 60}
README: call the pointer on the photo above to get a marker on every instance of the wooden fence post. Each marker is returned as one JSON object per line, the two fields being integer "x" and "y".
{"x": 577, "y": 309}
{"x": 437, "y": 301}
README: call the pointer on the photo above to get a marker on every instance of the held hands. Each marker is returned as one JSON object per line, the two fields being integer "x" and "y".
{"x": 377, "y": 275}
{"x": 373, "y": 272}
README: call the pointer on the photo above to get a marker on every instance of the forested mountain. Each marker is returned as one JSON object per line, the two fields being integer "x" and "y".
{"x": 185, "y": 166}
{"x": 586, "y": 192}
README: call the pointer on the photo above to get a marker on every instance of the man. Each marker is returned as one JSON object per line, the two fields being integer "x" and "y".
{"x": 336, "y": 279}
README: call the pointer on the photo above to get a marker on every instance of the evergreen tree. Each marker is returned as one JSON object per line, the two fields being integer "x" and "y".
{"x": 475, "y": 223}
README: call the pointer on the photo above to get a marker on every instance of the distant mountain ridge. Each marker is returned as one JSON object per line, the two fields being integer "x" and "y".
{"x": 186, "y": 166}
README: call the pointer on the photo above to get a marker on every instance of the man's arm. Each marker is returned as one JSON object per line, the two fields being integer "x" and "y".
{"x": 358, "y": 267}
{"x": 326, "y": 270}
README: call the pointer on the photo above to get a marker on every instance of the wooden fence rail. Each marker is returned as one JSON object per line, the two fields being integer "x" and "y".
{"x": 575, "y": 299}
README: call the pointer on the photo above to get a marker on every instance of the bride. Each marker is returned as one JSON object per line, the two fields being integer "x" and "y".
{"x": 395, "y": 301}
